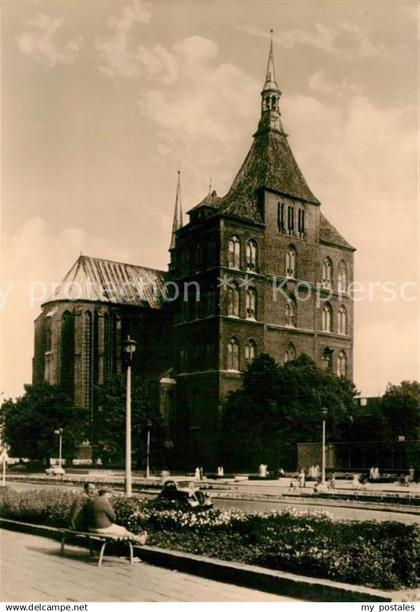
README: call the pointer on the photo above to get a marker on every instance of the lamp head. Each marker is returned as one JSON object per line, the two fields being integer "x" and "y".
{"x": 129, "y": 346}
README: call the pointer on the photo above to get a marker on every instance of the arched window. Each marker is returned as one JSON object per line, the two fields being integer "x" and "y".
{"x": 251, "y": 303}
{"x": 327, "y": 272}
{"x": 327, "y": 318}
{"x": 67, "y": 353}
{"x": 48, "y": 343}
{"x": 342, "y": 364}
{"x": 342, "y": 320}
{"x": 342, "y": 277}
{"x": 234, "y": 252}
{"x": 280, "y": 217}
{"x": 233, "y": 355}
{"x": 301, "y": 223}
{"x": 251, "y": 256}
{"x": 291, "y": 262}
{"x": 250, "y": 351}
{"x": 291, "y": 220}
{"x": 290, "y": 353}
{"x": 327, "y": 358}
{"x": 291, "y": 312}
{"x": 233, "y": 301}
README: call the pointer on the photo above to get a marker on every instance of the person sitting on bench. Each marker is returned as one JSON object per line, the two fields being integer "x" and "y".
{"x": 77, "y": 518}
{"x": 100, "y": 517}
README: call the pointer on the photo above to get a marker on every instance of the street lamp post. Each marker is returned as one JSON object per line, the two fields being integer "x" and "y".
{"x": 324, "y": 413}
{"x": 129, "y": 348}
{"x": 59, "y": 433}
{"x": 149, "y": 427}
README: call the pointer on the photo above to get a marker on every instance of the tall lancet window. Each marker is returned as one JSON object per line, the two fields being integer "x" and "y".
{"x": 327, "y": 315}
{"x": 233, "y": 354}
{"x": 291, "y": 262}
{"x": 342, "y": 364}
{"x": 233, "y": 301}
{"x": 327, "y": 272}
{"x": 251, "y": 303}
{"x": 234, "y": 252}
{"x": 251, "y": 256}
{"x": 342, "y": 277}
{"x": 342, "y": 320}
{"x": 250, "y": 351}
{"x": 291, "y": 312}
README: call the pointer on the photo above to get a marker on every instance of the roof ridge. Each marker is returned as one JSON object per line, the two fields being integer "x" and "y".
{"x": 122, "y": 263}
{"x": 331, "y": 233}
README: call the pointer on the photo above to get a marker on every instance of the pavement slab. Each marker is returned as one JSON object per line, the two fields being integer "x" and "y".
{"x": 32, "y": 569}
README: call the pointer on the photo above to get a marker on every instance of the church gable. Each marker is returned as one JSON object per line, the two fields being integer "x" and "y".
{"x": 100, "y": 280}
{"x": 329, "y": 235}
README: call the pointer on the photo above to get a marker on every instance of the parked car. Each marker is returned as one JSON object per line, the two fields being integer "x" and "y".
{"x": 184, "y": 494}
{"x": 55, "y": 470}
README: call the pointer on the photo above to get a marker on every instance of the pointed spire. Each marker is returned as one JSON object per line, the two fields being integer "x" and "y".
{"x": 270, "y": 97}
{"x": 177, "y": 222}
{"x": 270, "y": 78}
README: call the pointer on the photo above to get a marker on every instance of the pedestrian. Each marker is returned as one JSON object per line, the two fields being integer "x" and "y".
{"x": 331, "y": 482}
{"x": 302, "y": 478}
{"x": 77, "y": 516}
{"x": 101, "y": 516}
{"x": 201, "y": 472}
{"x": 197, "y": 473}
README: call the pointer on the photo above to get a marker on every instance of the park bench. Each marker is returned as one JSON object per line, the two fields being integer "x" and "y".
{"x": 90, "y": 539}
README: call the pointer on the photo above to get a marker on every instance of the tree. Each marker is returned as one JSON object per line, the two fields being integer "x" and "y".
{"x": 109, "y": 422}
{"x": 280, "y": 406}
{"x": 29, "y": 423}
{"x": 401, "y": 410}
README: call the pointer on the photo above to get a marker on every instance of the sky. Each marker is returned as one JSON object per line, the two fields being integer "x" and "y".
{"x": 103, "y": 101}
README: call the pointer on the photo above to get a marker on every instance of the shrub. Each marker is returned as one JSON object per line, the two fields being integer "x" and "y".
{"x": 384, "y": 555}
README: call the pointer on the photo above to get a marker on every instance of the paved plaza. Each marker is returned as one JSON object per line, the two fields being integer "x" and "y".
{"x": 32, "y": 569}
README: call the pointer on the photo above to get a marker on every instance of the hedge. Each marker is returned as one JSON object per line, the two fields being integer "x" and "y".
{"x": 377, "y": 554}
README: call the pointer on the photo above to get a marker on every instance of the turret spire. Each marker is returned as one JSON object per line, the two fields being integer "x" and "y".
{"x": 270, "y": 112}
{"x": 177, "y": 222}
{"x": 270, "y": 79}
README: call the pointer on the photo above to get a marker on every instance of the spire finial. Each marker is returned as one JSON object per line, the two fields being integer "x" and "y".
{"x": 270, "y": 78}
{"x": 177, "y": 222}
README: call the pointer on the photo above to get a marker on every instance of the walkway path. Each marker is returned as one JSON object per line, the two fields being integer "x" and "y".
{"x": 33, "y": 570}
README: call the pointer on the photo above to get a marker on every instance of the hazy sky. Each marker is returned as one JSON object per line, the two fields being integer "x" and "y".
{"x": 103, "y": 100}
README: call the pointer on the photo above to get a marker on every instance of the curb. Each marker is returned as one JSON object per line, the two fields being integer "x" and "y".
{"x": 239, "y": 574}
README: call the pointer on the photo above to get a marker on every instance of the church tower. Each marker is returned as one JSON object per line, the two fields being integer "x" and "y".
{"x": 260, "y": 270}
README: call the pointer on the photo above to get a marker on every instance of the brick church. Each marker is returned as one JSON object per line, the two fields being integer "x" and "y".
{"x": 258, "y": 270}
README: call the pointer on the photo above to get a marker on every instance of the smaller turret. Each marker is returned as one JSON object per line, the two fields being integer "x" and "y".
{"x": 177, "y": 222}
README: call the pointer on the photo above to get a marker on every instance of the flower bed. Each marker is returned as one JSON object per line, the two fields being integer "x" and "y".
{"x": 382, "y": 555}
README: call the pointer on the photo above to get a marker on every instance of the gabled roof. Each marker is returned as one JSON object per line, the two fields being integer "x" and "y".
{"x": 112, "y": 282}
{"x": 212, "y": 200}
{"x": 270, "y": 164}
{"x": 328, "y": 233}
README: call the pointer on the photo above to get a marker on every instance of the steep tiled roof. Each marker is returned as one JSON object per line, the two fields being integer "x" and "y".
{"x": 270, "y": 164}
{"x": 328, "y": 233}
{"x": 100, "y": 280}
{"x": 212, "y": 200}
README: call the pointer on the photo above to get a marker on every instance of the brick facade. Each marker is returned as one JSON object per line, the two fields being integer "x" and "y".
{"x": 259, "y": 270}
